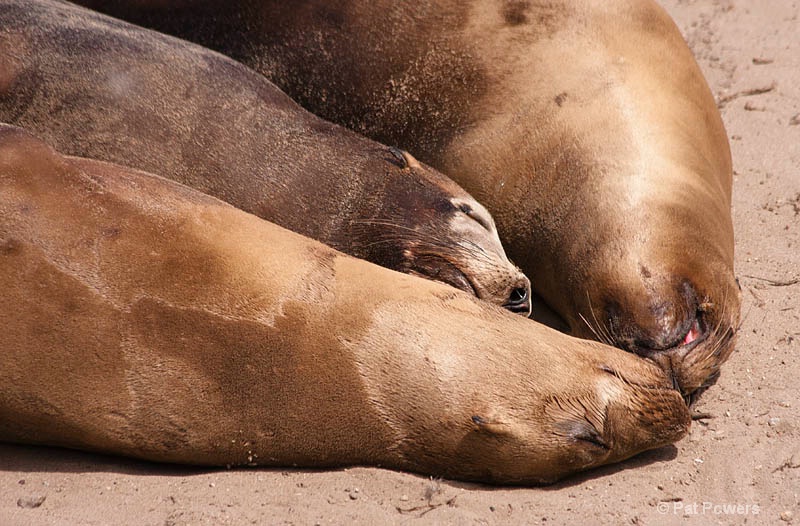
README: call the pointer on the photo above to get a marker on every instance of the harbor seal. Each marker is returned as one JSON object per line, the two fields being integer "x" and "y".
{"x": 586, "y": 128}
{"x": 146, "y": 319}
{"x": 97, "y": 87}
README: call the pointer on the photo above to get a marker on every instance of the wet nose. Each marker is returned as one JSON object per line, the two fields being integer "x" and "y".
{"x": 669, "y": 319}
{"x": 519, "y": 300}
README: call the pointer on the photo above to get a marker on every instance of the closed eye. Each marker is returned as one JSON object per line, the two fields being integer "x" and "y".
{"x": 475, "y": 216}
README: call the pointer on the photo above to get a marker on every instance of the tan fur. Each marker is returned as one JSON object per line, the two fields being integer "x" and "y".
{"x": 584, "y": 126}
{"x": 143, "y": 318}
{"x": 104, "y": 89}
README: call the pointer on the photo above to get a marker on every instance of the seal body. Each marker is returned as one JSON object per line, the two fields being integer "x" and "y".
{"x": 585, "y": 127}
{"x": 143, "y": 318}
{"x": 97, "y": 87}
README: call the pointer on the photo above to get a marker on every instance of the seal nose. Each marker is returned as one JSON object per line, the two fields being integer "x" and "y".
{"x": 669, "y": 320}
{"x": 519, "y": 301}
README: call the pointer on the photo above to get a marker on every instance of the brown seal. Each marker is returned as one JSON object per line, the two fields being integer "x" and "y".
{"x": 143, "y": 318}
{"x": 587, "y": 130}
{"x": 101, "y": 88}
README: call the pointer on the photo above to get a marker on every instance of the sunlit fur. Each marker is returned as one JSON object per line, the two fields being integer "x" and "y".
{"x": 146, "y": 319}
{"x": 585, "y": 127}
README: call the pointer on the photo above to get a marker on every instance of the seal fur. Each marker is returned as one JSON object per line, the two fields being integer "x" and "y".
{"x": 586, "y": 128}
{"x": 143, "y": 318}
{"x": 101, "y": 88}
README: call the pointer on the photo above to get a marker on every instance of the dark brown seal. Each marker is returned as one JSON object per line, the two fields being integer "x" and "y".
{"x": 97, "y": 87}
{"x": 143, "y": 318}
{"x": 587, "y": 130}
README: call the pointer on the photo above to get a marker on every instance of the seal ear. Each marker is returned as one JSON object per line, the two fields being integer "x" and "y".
{"x": 491, "y": 425}
{"x": 404, "y": 159}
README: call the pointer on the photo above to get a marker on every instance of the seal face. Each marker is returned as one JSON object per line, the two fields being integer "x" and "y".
{"x": 587, "y": 130}
{"x": 181, "y": 329}
{"x": 444, "y": 235}
{"x": 97, "y": 87}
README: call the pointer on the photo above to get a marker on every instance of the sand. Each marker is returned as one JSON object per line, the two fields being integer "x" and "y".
{"x": 740, "y": 466}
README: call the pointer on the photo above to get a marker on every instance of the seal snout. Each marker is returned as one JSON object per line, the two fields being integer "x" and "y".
{"x": 686, "y": 332}
{"x": 669, "y": 320}
{"x": 689, "y": 335}
{"x": 631, "y": 408}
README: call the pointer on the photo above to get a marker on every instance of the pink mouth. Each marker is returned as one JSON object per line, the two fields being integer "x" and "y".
{"x": 693, "y": 333}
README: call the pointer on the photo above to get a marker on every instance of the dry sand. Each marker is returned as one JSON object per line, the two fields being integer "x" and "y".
{"x": 746, "y": 455}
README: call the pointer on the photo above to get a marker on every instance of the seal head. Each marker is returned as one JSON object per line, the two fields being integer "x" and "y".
{"x": 467, "y": 254}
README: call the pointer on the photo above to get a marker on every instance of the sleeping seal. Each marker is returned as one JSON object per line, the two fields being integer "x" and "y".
{"x": 143, "y": 318}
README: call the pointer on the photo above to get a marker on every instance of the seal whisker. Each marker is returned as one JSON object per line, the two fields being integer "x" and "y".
{"x": 605, "y": 335}
{"x": 469, "y": 246}
{"x": 722, "y": 333}
{"x": 476, "y": 249}
{"x": 405, "y": 230}
{"x": 591, "y": 327}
